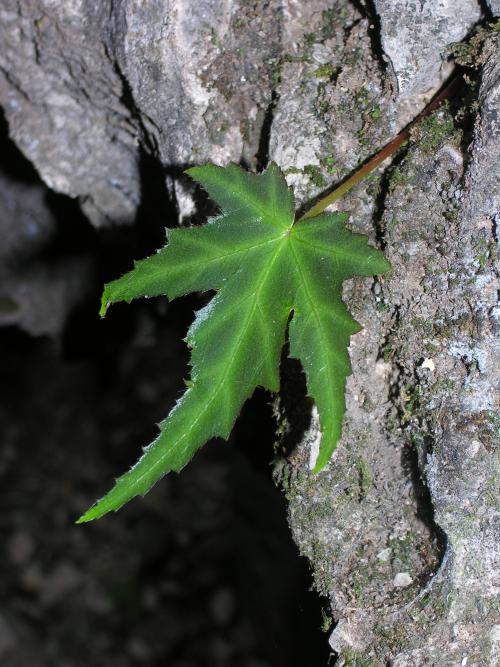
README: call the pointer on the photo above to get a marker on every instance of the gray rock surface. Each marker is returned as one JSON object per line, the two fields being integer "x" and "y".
{"x": 82, "y": 83}
{"x": 399, "y": 528}
{"x": 415, "y": 37}
{"x": 200, "y": 75}
{"x": 62, "y": 97}
{"x": 494, "y": 6}
{"x": 8, "y": 638}
{"x": 39, "y": 297}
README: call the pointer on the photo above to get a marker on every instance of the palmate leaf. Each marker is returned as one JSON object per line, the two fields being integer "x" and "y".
{"x": 263, "y": 268}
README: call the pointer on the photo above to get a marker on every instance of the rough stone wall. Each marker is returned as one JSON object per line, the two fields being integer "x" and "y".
{"x": 86, "y": 86}
{"x": 399, "y": 527}
{"x": 63, "y": 99}
{"x": 416, "y": 49}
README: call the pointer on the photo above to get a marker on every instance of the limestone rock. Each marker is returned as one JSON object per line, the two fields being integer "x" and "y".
{"x": 62, "y": 97}
{"x": 423, "y": 384}
{"x": 415, "y": 37}
{"x": 494, "y": 6}
{"x": 83, "y": 83}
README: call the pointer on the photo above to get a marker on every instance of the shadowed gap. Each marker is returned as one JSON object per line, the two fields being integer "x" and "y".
{"x": 81, "y": 409}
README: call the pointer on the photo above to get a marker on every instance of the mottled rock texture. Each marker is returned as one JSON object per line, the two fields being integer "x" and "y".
{"x": 415, "y": 36}
{"x": 85, "y": 84}
{"x": 494, "y": 6}
{"x": 63, "y": 98}
{"x": 399, "y": 528}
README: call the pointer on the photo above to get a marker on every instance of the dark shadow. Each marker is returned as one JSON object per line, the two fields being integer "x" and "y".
{"x": 203, "y": 571}
{"x": 12, "y": 162}
{"x": 367, "y": 9}
{"x": 295, "y": 405}
{"x": 487, "y": 13}
{"x": 262, "y": 157}
{"x": 411, "y": 459}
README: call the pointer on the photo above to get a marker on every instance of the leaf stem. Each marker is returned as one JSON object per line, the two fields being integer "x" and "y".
{"x": 384, "y": 153}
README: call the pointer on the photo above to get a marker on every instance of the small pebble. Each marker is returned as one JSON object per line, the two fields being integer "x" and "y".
{"x": 401, "y": 580}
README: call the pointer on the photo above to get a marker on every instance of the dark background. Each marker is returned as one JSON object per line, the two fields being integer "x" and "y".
{"x": 203, "y": 571}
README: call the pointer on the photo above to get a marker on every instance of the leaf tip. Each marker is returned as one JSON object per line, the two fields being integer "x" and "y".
{"x": 98, "y": 510}
{"x": 94, "y": 512}
{"x": 105, "y": 302}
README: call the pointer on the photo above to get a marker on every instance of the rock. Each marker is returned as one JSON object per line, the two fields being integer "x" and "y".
{"x": 191, "y": 79}
{"x": 63, "y": 99}
{"x": 429, "y": 364}
{"x": 200, "y": 74}
{"x": 385, "y": 555}
{"x": 39, "y": 298}
{"x": 401, "y": 580}
{"x": 222, "y": 606}
{"x": 139, "y": 649}
{"x": 324, "y": 102}
{"x": 60, "y": 582}
{"x": 415, "y": 37}
{"x": 368, "y": 500}
{"x": 35, "y": 294}
{"x": 494, "y": 6}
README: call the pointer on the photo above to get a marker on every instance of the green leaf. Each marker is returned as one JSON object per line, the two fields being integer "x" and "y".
{"x": 263, "y": 268}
